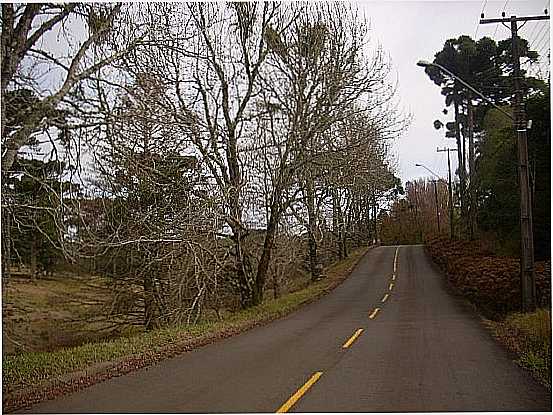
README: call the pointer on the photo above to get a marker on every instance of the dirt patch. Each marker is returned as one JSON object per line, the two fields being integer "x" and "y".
{"x": 44, "y": 314}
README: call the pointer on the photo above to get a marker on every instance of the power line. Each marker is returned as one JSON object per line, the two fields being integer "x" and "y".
{"x": 502, "y": 11}
{"x": 544, "y": 25}
{"x": 543, "y": 65}
{"x": 533, "y": 30}
{"x": 538, "y": 34}
{"x": 542, "y": 55}
{"x": 539, "y": 44}
{"x": 478, "y": 20}
{"x": 537, "y": 24}
{"x": 542, "y": 48}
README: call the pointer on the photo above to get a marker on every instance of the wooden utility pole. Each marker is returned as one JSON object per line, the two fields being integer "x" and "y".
{"x": 450, "y": 188}
{"x": 437, "y": 206}
{"x": 420, "y": 239}
{"x": 472, "y": 175}
{"x": 528, "y": 281}
{"x": 460, "y": 156}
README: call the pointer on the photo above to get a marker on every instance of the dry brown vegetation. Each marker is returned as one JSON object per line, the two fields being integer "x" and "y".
{"x": 66, "y": 309}
{"x": 48, "y": 313}
{"x": 491, "y": 282}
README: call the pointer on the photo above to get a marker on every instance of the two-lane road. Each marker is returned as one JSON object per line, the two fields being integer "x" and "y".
{"x": 422, "y": 350}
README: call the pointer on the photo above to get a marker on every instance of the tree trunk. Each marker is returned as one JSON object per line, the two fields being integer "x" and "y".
{"x": 263, "y": 266}
{"x": 375, "y": 225}
{"x": 336, "y": 222}
{"x": 243, "y": 275}
{"x": 247, "y": 286}
{"x": 311, "y": 229}
{"x": 33, "y": 258}
{"x": 460, "y": 157}
{"x": 6, "y": 245}
{"x": 149, "y": 318}
{"x": 472, "y": 172}
{"x": 347, "y": 230}
{"x": 368, "y": 219}
{"x": 341, "y": 230}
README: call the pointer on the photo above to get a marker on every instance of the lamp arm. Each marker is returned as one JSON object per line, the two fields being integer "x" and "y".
{"x": 473, "y": 90}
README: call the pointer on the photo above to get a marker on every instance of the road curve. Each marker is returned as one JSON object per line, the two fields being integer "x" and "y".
{"x": 422, "y": 350}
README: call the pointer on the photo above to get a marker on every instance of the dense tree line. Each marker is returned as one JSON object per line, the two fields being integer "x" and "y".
{"x": 199, "y": 154}
{"x": 422, "y": 211}
{"x": 486, "y": 200}
{"x": 498, "y": 204}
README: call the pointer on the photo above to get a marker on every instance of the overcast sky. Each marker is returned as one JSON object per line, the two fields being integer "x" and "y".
{"x": 414, "y": 30}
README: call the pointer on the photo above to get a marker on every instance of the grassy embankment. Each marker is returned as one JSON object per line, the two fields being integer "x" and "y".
{"x": 492, "y": 284}
{"x": 48, "y": 313}
{"x": 33, "y": 376}
{"x": 528, "y": 335}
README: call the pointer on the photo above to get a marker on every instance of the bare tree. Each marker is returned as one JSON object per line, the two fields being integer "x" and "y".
{"x": 214, "y": 80}
{"x": 320, "y": 76}
{"x": 159, "y": 211}
{"x": 27, "y": 53}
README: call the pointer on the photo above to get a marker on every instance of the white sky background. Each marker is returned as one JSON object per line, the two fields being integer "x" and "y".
{"x": 414, "y": 30}
{"x": 410, "y": 30}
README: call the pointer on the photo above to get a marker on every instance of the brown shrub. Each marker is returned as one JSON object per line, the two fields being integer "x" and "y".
{"x": 491, "y": 282}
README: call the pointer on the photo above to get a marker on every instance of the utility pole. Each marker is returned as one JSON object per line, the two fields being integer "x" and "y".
{"x": 375, "y": 224}
{"x": 528, "y": 281}
{"x": 437, "y": 207}
{"x": 460, "y": 157}
{"x": 472, "y": 175}
{"x": 420, "y": 240}
{"x": 450, "y": 188}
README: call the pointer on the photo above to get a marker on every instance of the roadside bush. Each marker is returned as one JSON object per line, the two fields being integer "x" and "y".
{"x": 491, "y": 282}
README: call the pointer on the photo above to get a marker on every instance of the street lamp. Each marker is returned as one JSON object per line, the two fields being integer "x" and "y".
{"x": 431, "y": 172}
{"x": 426, "y": 64}
{"x": 435, "y": 193}
{"x": 528, "y": 278}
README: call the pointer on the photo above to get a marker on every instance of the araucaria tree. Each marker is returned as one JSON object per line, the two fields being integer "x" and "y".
{"x": 487, "y": 66}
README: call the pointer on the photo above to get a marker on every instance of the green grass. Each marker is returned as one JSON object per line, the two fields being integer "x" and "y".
{"x": 32, "y": 368}
{"x": 529, "y": 336}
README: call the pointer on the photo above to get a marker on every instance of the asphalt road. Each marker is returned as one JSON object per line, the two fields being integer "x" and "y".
{"x": 423, "y": 350}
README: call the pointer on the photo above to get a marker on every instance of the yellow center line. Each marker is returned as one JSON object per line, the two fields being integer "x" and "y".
{"x": 352, "y": 339}
{"x": 299, "y": 393}
{"x": 391, "y": 287}
{"x": 394, "y": 277}
{"x": 385, "y": 298}
{"x": 374, "y": 313}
